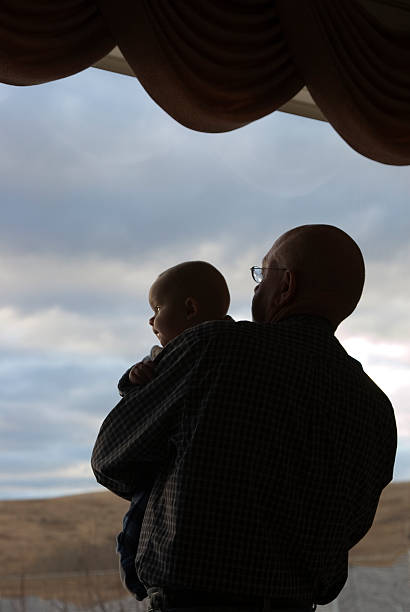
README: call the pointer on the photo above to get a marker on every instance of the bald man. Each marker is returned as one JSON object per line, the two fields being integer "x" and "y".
{"x": 273, "y": 444}
{"x": 312, "y": 269}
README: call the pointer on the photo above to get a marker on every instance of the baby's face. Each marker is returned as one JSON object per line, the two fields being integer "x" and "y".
{"x": 169, "y": 318}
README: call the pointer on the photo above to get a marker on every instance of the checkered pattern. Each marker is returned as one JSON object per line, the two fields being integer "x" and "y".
{"x": 273, "y": 447}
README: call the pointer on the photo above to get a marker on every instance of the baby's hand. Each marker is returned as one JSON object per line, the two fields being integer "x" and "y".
{"x": 142, "y": 373}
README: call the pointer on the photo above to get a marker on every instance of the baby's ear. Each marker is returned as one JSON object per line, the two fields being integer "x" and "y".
{"x": 191, "y": 308}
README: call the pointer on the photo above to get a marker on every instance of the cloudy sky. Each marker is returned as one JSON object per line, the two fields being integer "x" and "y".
{"x": 101, "y": 191}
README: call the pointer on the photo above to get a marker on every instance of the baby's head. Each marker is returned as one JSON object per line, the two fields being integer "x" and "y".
{"x": 185, "y": 295}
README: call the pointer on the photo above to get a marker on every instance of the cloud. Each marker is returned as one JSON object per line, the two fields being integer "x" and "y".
{"x": 256, "y": 156}
{"x": 402, "y": 463}
{"x": 101, "y": 191}
{"x": 388, "y": 365}
{"x": 54, "y": 329}
{"x": 70, "y": 479}
{"x": 86, "y": 169}
{"x": 105, "y": 288}
{"x": 76, "y": 471}
{"x": 380, "y": 354}
{"x": 42, "y": 490}
{"x": 51, "y": 409}
{"x": 111, "y": 286}
{"x": 74, "y": 282}
{"x": 384, "y": 307}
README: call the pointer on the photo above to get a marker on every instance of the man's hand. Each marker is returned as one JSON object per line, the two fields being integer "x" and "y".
{"x": 142, "y": 373}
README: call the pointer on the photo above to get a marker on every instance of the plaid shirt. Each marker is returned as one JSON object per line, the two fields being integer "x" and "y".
{"x": 273, "y": 447}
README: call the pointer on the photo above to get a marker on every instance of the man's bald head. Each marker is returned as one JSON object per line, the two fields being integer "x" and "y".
{"x": 323, "y": 275}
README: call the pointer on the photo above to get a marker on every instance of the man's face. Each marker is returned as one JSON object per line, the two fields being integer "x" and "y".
{"x": 169, "y": 319}
{"x": 264, "y": 303}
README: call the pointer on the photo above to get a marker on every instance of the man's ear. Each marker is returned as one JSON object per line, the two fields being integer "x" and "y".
{"x": 191, "y": 308}
{"x": 288, "y": 288}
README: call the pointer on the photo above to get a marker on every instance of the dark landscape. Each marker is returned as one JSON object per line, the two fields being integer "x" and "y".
{"x": 64, "y": 548}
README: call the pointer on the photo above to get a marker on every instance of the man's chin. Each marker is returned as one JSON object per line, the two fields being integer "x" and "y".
{"x": 256, "y": 315}
{"x": 256, "y": 318}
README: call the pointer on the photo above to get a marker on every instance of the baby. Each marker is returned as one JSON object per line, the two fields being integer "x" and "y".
{"x": 183, "y": 296}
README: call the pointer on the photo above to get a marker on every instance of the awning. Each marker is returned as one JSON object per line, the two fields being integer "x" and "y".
{"x": 216, "y": 65}
{"x": 302, "y": 104}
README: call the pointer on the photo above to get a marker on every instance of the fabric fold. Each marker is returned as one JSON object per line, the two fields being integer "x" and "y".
{"x": 356, "y": 67}
{"x": 41, "y": 41}
{"x": 215, "y": 66}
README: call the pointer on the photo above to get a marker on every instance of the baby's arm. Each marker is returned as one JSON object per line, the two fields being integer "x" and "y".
{"x": 139, "y": 374}
{"x": 142, "y": 372}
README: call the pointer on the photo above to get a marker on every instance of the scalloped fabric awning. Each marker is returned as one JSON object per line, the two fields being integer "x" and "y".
{"x": 216, "y": 65}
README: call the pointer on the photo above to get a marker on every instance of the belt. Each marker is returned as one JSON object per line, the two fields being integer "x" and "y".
{"x": 162, "y": 598}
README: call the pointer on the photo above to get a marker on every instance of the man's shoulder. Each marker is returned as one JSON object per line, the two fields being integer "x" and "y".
{"x": 247, "y": 336}
{"x": 221, "y": 330}
{"x": 213, "y": 333}
{"x": 241, "y": 331}
{"x": 240, "y": 340}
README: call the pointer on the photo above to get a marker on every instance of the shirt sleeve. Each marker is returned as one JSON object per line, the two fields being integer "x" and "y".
{"x": 124, "y": 384}
{"x": 139, "y": 431}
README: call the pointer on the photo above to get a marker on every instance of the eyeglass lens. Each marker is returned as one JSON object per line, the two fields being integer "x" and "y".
{"x": 257, "y": 274}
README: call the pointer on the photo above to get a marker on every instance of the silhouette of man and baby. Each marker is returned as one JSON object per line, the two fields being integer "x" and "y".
{"x": 253, "y": 453}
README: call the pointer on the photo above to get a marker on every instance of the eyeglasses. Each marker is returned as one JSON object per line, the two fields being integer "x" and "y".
{"x": 257, "y": 273}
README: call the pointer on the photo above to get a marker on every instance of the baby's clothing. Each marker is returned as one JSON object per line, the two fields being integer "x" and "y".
{"x": 127, "y": 544}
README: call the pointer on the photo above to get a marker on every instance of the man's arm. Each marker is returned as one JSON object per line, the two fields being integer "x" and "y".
{"x": 139, "y": 430}
{"x": 370, "y": 484}
{"x": 124, "y": 384}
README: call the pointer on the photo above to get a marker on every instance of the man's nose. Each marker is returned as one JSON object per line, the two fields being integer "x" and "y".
{"x": 151, "y": 321}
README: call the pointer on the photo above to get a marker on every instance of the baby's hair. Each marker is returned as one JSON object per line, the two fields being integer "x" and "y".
{"x": 202, "y": 281}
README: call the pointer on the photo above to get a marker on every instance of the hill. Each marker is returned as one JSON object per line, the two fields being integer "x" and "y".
{"x": 62, "y": 534}
{"x": 76, "y": 534}
{"x": 68, "y": 533}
